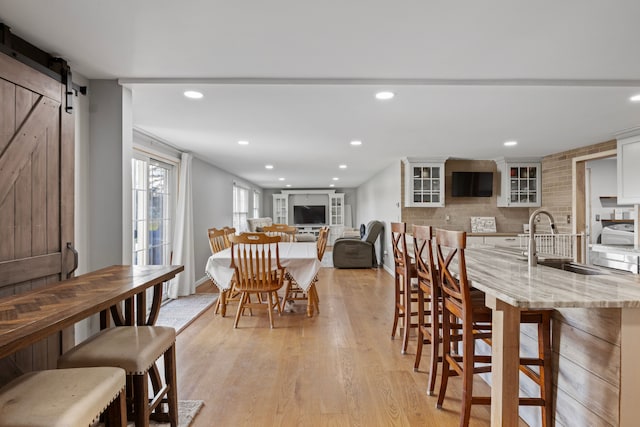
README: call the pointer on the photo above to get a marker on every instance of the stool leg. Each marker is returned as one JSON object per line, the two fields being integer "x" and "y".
{"x": 544, "y": 351}
{"x": 407, "y": 312}
{"x": 172, "y": 383}
{"x": 446, "y": 352}
{"x": 116, "y": 413}
{"x": 435, "y": 345}
{"x": 141, "y": 399}
{"x": 421, "y": 314}
{"x": 396, "y": 310}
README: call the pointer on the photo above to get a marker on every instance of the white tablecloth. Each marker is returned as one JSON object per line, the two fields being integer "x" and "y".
{"x": 299, "y": 258}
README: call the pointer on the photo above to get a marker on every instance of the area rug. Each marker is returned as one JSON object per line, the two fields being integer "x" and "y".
{"x": 187, "y": 411}
{"x": 179, "y": 313}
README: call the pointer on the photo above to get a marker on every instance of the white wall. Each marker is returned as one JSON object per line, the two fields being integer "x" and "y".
{"x": 212, "y": 206}
{"x": 379, "y": 199}
{"x": 82, "y": 196}
{"x": 81, "y": 176}
{"x": 105, "y": 225}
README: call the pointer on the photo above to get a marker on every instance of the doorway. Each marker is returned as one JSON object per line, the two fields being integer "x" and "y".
{"x": 583, "y": 212}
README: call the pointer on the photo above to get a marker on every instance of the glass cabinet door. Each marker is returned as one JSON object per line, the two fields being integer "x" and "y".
{"x": 523, "y": 185}
{"x": 426, "y": 185}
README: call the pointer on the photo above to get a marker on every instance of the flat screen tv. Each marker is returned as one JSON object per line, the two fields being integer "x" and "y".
{"x": 309, "y": 214}
{"x": 472, "y": 184}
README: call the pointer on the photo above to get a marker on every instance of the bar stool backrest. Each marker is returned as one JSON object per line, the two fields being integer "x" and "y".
{"x": 450, "y": 246}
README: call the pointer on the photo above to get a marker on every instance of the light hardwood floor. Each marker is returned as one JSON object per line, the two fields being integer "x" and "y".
{"x": 337, "y": 369}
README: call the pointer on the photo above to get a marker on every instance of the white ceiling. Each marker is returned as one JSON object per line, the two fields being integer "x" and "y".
{"x": 297, "y": 79}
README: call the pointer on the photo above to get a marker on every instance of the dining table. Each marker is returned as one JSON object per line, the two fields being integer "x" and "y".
{"x": 300, "y": 259}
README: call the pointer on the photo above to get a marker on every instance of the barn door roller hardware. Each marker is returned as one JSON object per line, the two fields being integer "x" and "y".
{"x": 56, "y": 68}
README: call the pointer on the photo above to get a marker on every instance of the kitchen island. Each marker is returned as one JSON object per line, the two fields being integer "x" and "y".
{"x": 596, "y": 337}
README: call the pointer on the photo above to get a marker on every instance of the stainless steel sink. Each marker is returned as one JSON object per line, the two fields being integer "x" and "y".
{"x": 571, "y": 267}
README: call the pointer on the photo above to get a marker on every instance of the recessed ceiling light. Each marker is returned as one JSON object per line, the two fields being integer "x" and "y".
{"x": 342, "y": 166}
{"x": 243, "y": 142}
{"x": 385, "y": 95}
{"x": 332, "y": 185}
{"x": 335, "y": 178}
{"x": 288, "y": 185}
{"x": 268, "y": 166}
{"x": 510, "y": 143}
{"x": 635, "y": 98}
{"x": 356, "y": 142}
{"x": 281, "y": 179}
{"x": 193, "y": 94}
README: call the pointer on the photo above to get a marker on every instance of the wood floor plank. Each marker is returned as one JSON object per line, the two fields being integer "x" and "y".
{"x": 338, "y": 368}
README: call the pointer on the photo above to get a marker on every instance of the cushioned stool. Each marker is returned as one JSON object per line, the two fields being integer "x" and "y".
{"x": 134, "y": 349}
{"x": 64, "y": 397}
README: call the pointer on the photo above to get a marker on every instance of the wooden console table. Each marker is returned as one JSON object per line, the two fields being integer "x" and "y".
{"x": 31, "y": 316}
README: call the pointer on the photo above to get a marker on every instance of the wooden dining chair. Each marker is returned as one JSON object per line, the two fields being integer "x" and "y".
{"x": 429, "y": 301}
{"x": 405, "y": 294}
{"x": 228, "y": 231}
{"x": 255, "y": 257}
{"x": 466, "y": 319}
{"x": 286, "y": 232}
{"x": 218, "y": 241}
{"x": 294, "y": 292}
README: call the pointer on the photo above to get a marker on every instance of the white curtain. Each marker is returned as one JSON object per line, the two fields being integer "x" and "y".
{"x": 183, "y": 249}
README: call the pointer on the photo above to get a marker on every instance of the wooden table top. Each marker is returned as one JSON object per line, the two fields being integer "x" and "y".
{"x": 31, "y": 316}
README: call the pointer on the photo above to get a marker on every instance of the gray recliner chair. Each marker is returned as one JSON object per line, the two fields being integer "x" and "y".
{"x": 351, "y": 252}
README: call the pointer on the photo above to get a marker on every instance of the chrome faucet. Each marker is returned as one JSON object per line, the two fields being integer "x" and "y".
{"x": 533, "y": 253}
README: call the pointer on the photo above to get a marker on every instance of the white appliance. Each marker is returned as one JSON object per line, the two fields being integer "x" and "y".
{"x": 617, "y": 233}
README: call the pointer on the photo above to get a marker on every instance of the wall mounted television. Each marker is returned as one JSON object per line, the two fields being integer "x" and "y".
{"x": 472, "y": 184}
{"x": 309, "y": 214}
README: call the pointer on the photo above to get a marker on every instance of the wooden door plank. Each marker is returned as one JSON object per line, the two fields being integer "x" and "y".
{"x": 7, "y": 129}
{"x": 22, "y": 75}
{"x": 53, "y": 188}
{"x": 7, "y": 229}
{"x": 7, "y": 113}
{"x": 24, "y": 141}
{"x": 25, "y": 269}
{"x": 22, "y": 239}
{"x": 22, "y": 195}
{"x": 39, "y": 200}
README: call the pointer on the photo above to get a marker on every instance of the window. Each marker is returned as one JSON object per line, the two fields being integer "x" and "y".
{"x": 240, "y": 208}
{"x": 256, "y": 204}
{"x": 153, "y": 201}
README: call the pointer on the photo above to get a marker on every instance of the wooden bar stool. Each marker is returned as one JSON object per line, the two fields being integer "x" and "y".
{"x": 429, "y": 301}
{"x": 64, "y": 397}
{"x": 135, "y": 349}
{"x": 405, "y": 294}
{"x": 466, "y": 319}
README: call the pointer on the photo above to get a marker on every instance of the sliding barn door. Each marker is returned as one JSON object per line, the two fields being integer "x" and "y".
{"x": 36, "y": 191}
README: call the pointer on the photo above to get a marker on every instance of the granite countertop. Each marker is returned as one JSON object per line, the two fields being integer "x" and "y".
{"x": 502, "y": 273}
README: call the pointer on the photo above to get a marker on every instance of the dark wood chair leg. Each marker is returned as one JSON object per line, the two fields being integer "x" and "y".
{"x": 421, "y": 315}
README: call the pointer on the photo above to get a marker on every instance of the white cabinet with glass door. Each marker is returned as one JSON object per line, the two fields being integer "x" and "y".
{"x": 424, "y": 182}
{"x": 336, "y": 216}
{"x": 336, "y": 209}
{"x": 519, "y": 182}
{"x": 281, "y": 208}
